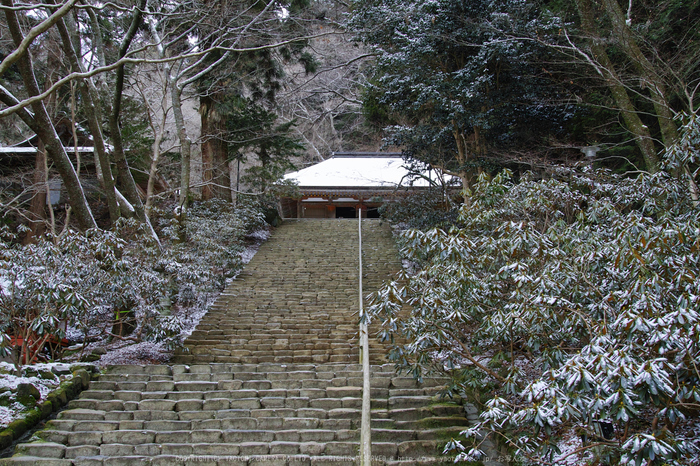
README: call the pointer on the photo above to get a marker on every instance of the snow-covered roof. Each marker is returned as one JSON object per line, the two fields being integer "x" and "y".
{"x": 359, "y": 170}
{"x": 14, "y": 150}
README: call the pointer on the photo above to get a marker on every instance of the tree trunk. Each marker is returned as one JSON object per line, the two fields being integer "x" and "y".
{"x": 462, "y": 157}
{"x": 214, "y": 152}
{"x": 629, "y": 113}
{"x": 38, "y": 207}
{"x": 647, "y": 72}
{"x": 44, "y": 128}
{"x": 124, "y": 178}
{"x": 479, "y": 142}
{"x": 92, "y": 113}
{"x": 153, "y": 171}
{"x": 207, "y": 159}
{"x": 185, "y": 147}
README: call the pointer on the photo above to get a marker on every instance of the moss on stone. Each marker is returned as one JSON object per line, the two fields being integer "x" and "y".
{"x": 27, "y": 394}
{"x": 18, "y": 427}
{"x": 445, "y": 403}
{"x": 90, "y": 368}
{"x": 6, "y": 439}
{"x": 56, "y": 399}
{"x": 46, "y": 408}
{"x": 33, "y": 417}
{"x": 72, "y": 389}
{"x": 437, "y": 422}
{"x": 83, "y": 376}
{"x": 60, "y": 396}
{"x": 431, "y": 423}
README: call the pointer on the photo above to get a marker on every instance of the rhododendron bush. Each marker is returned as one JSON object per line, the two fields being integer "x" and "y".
{"x": 118, "y": 284}
{"x": 572, "y": 302}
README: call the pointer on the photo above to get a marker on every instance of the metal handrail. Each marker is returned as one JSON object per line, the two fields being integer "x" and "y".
{"x": 366, "y": 424}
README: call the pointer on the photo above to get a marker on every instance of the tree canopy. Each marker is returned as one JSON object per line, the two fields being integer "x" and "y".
{"x": 461, "y": 79}
{"x": 457, "y": 83}
{"x": 105, "y": 51}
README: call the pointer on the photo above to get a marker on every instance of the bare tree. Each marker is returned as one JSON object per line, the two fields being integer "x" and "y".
{"x": 325, "y": 99}
{"x": 38, "y": 119}
{"x": 215, "y": 49}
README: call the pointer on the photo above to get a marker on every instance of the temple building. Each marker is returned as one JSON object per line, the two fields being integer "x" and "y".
{"x": 343, "y": 184}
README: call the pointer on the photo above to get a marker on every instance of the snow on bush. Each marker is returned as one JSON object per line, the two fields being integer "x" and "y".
{"x": 120, "y": 285}
{"x": 591, "y": 280}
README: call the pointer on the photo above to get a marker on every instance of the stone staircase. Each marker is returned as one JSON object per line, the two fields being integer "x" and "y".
{"x": 270, "y": 375}
{"x": 297, "y": 300}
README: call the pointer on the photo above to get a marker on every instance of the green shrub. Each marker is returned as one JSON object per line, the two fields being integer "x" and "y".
{"x": 102, "y": 282}
{"x": 573, "y": 301}
{"x": 422, "y": 210}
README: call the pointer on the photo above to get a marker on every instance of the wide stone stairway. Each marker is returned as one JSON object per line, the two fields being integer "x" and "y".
{"x": 297, "y": 300}
{"x": 271, "y": 374}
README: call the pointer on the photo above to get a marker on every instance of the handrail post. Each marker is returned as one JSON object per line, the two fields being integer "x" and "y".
{"x": 366, "y": 426}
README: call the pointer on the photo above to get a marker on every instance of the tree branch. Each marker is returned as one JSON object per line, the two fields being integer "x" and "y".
{"x": 128, "y": 60}
{"x": 33, "y": 33}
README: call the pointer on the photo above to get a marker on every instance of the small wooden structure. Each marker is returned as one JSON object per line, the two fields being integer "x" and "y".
{"x": 16, "y": 155}
{"x": 340, "y": 186}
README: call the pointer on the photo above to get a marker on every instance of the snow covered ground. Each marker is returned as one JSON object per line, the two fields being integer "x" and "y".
{"x": 10, "y": 378}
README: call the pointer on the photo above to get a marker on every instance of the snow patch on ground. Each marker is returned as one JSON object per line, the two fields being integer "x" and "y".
{"x": 12, "y": 381}
{"x": 260, "y": 235}
{"x": 140, "y": 353}
{"x": 569, "y": 457}
{"x": 191, "y": 318}
{"x": 7, "y": 415}
{"x": 257, "y": 238}
{"x": 10, "y": 378}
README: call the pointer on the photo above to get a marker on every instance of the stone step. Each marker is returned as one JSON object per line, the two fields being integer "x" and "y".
{"x": 114, "y": 390}
{"x": 340, "y": 370}
{"x": 404, "y": 418}
{"x": 246, "y": 399}
{"x": 137, "y": 370}
{"x": 178, "y": 381}
{"x": 198, "y": 385}
{"x": 134, "y": 449}
{"x": 281, "y": 359}
{"x": 286, "y": 429}
{"x": 252, "y": 408}
{"x": 209, "y": 460}
{"x": 304, "y": 284}
{"x": 434, "y": 427}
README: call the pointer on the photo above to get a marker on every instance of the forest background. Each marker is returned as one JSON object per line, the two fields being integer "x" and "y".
{"x": 561, "y": 283}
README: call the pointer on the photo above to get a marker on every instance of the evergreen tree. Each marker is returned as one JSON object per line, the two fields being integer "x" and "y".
{"x": 463, "y": 80}
{"x": 253, "y": 131}
{"x": 255, "y": 74}
{"x": 460, "y": 78}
